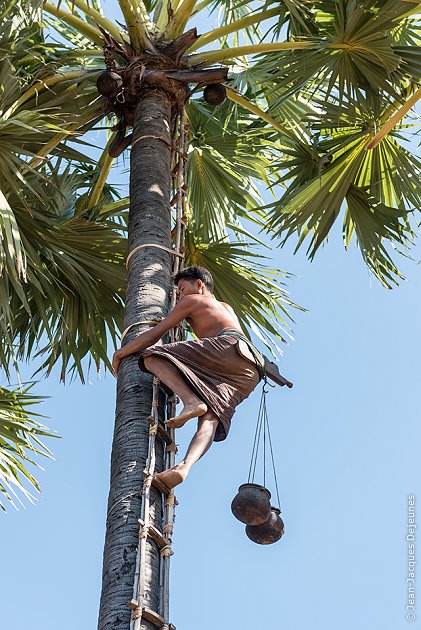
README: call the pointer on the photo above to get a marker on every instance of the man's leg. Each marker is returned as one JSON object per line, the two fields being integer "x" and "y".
{"x": 170, "y": 376}
{"x": 200, "y": 443}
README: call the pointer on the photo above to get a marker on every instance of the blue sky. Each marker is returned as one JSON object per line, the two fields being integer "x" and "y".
{"x": 346, "y": 445}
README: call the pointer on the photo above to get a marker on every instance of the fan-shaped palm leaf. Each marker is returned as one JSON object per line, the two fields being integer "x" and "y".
{"x": 355, "y": 52}
{"x": 224, "y": 159}
{"x": 20, "y": 441}
{"x": 72, "y": 296}
{"x": 255, "y": 291}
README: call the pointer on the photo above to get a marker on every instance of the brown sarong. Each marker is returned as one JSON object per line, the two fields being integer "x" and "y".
{"x": 214, "y": 370}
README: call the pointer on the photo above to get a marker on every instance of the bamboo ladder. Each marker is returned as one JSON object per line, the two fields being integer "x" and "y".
{"x": 147, "y": 531}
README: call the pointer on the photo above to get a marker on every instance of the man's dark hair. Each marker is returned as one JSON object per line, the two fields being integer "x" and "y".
{"x": 195, "y": 273}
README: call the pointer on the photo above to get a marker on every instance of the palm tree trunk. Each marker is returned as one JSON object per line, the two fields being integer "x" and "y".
{"x": 147, "y": 298}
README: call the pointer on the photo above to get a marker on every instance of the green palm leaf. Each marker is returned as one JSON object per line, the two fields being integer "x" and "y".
{"x": 242, "y": 278}
{"x": 20, "y": 442}
{"x": 375, "y": 223}
{"x": 355, "y": 52}
{"x": 222, "y": 164}
{"x": 73, "y": 296}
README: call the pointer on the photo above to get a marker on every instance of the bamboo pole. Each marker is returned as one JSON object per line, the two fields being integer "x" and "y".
{"x": 180, "y": 197}
{"x": 140, "y": 575}
{"x": 170, "y": 501}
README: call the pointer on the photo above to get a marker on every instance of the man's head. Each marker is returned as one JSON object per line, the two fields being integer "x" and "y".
{"x": 193, "y": 280}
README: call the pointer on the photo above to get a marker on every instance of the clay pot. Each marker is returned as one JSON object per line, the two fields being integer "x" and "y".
{"x": 109, "y": 84}
{"x": 215, "y": 93}
{"x": 252, "y": 504}
{"x": 269, "y": 532}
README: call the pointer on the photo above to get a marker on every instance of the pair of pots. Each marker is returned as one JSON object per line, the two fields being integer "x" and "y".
{"x": 251, "y": 506}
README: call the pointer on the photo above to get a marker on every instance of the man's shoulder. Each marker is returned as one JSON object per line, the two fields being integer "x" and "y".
{"x": 190, "y": 301}
{"x": 199, "y": 298}
{"x": 197, "y": 302}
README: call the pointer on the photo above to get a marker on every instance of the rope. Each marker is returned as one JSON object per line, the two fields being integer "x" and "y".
{"x": 273, "y": 459}
{"x": 152, "y": 322}
{"x": 263, "y": 430}
{"x": 167, "y": 249}
{"x": 256, "y": 442}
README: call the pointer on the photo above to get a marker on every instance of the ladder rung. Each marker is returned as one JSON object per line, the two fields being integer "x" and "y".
{"x": 153, "y": 617}
{"x": 165, "y": 434}
{"x": 161, "y": 487}
{"x": 156, "y": 535}
{"x": 162, "y": 431}
{"x": 150, "y": 615}
{"x": 158, "y": 485}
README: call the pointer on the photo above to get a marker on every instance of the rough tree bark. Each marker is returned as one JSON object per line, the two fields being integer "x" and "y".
{"x": 147, "y": 298}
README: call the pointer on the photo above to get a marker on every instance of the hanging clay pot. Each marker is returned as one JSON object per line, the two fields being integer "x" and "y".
{"x": 252, "y": 504}
{"x": 215, "y": 93}
{"x": 109, "y": 84}
{"x": 269, "y": 532}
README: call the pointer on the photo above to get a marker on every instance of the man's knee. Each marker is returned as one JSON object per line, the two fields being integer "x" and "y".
{"x": 150, "y": 362}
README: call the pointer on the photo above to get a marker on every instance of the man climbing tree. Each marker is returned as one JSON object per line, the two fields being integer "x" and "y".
{"x": 209, "y": 374}
{"x": 321, "y": 113}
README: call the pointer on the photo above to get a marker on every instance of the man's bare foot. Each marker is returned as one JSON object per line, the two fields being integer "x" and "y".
{"x": 195, "y": 409}
{"x": 173, "y": 477}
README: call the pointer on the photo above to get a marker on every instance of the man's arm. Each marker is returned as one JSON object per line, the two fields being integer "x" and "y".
{"x": 148, "y": 338}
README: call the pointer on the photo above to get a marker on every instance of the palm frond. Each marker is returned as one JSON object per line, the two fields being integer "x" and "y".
{"x": 232, "y": 11}
{"x": 298, "y": 15}
{"x": 355, "y": 53}
{"x": 224, "y": 163}
{"x": 379, "y": 187}
{"x": 243, "y": 279}
{"x": 375, "y": 224}
{"x": 73, "y": 294}
{"x": 20, "y": 442}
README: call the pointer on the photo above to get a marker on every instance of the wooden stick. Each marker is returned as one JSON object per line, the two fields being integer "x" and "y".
{"x": 273, "y": 373}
